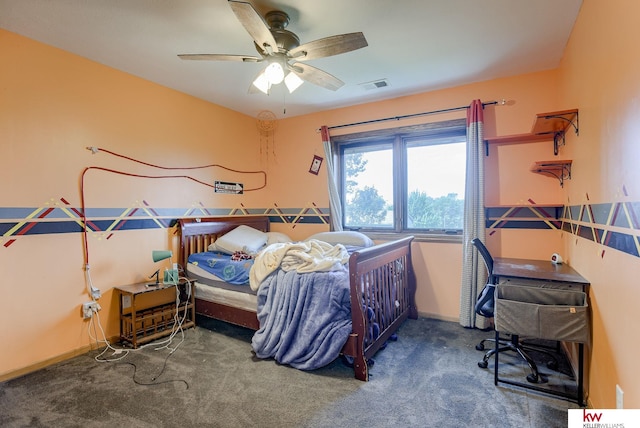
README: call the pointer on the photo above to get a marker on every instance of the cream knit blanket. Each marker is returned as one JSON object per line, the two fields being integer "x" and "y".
{"x": 303, "y": 257}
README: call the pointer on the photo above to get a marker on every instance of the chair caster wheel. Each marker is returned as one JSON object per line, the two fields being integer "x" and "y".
{"x": 532, "y": 378}
{"x": 552, "y": 365}
{"x": 483, "y": 364}
{"x": 480, "y": 347}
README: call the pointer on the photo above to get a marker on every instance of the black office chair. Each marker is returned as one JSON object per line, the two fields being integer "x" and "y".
{"x": 485, "y": 307}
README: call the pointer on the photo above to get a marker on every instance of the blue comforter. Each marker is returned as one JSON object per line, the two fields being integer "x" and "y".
{"x": 305, "y": 318}
{"x": 221, "y": 265}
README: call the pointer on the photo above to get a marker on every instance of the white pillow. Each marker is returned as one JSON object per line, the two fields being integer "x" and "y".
{"x": 277, "y": 237}
{"x": 242, "y": 238}
{"x": 346, "y": 238}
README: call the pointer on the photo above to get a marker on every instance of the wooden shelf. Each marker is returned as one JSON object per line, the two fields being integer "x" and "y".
{"x": 142, "y": 325}
{"x": 518, "y": 138}
{"x": 554, "y": 122}
{"x": 560, "y": 169}
{"x": 547, "y": 126}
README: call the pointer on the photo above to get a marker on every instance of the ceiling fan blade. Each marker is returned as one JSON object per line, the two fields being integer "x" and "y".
{"x": 220, "y": 57}
{"x": 254, "y": 24}
{"x": 316, "y": 76}
{"x": 329, "y": 46}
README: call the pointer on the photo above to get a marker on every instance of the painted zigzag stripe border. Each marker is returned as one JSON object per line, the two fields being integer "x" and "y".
{"x": 58, "y": 216}
{"x": 614, "y": 225}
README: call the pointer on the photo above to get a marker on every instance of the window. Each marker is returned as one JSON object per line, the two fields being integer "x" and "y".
{"x": 407, "y": 179}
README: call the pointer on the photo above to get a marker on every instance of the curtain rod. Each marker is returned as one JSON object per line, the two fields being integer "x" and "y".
{"x": 406, "y": 116}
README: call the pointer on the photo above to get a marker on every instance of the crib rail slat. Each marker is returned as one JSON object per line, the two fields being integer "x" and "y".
{"x": 382, "y": 296}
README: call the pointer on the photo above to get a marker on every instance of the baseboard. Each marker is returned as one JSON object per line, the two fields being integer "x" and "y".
{"x": 437, "y": 317}
{"x": 53, "y": 360}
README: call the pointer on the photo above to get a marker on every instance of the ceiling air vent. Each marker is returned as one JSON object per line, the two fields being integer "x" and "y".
{"x": 376, "y": 84}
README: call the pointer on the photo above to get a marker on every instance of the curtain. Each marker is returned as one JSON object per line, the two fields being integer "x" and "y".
{"x": 474, "y": 273}
{"x": 334, "y": 197}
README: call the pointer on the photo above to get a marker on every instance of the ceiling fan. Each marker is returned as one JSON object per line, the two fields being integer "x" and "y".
{"x": 282, "y": 51}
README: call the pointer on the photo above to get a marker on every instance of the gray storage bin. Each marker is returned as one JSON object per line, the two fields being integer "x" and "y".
{"x": 542, "y": 313}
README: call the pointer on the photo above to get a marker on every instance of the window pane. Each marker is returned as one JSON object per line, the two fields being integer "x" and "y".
{"x": 368, "y": 186}
{"x": 407, "y": 179}
{"x": 435, "y": 183}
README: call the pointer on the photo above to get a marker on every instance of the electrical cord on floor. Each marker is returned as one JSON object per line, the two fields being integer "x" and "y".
{"x": 155, "y": 378}
{"x": 164, "y": 344}
{"x": 104, "y": 340}
{"x": 178, "y": 321}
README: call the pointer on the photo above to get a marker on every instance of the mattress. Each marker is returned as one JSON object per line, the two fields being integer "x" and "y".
{"x": 213, "y": 289}
{"x": 207, "y": 278}
{"x": 246, "y": 301}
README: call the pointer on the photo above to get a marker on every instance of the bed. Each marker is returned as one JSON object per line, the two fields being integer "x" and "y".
{"x": 380, "y": 285}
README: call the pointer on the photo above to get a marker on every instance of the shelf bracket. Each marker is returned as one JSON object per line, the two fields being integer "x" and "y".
{"x": 560, "y": 171}
{"x": 559, "y": 136}
{"x": 575, "y": 124}
{"x": 556, "y": 141}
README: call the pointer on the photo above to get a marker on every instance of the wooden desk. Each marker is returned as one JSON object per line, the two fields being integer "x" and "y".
{"x": 537, "y": 270}
{"x": 542, "y": 273}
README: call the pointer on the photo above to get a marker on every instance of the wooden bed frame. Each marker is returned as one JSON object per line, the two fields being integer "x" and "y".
{"x": 381, "y": 275}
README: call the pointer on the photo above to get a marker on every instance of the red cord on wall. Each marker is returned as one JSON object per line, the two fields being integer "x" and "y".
{"x": 95, "y": 150}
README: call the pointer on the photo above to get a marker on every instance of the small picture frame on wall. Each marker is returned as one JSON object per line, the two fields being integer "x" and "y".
{"x": 316, "y": 163}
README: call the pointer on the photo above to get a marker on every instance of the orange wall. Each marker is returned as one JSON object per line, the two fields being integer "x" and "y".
{"x": 52, "y": 106}
{"x": 599, "y": 74}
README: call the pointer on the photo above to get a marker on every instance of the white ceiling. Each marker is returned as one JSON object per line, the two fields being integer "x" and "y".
{"x": 416, "y": 45}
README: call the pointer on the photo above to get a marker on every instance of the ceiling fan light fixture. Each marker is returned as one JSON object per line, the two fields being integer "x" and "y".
{"x": 262, "y": 83}
{"x": 293, "y": 82}
{"x": 274, "y": 73}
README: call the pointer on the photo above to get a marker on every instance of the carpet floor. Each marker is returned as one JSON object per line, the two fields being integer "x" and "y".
{"x": 429, "y": 377}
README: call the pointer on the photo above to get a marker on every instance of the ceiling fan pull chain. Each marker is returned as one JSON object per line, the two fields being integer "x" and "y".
{"x": 284, "y": 102}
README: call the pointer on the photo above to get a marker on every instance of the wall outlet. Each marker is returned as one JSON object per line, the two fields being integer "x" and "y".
{"x": 619, "y": 397}
{"x": 89, "y": 308}
{"x": 126, "y": 301}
